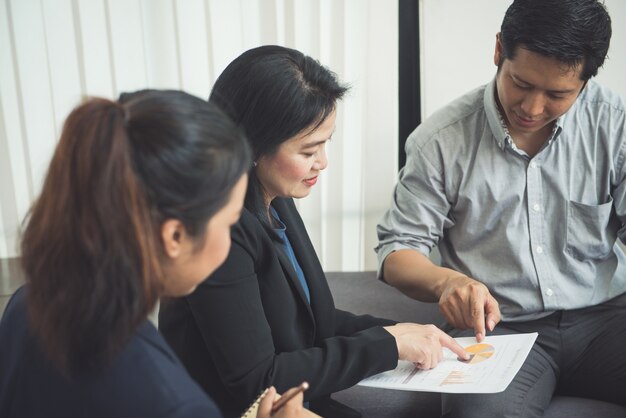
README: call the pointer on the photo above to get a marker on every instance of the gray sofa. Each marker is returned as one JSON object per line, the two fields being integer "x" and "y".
{"x": 362, "y": 293}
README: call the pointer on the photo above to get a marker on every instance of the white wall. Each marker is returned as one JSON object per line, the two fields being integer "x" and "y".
{"x": 458, "y": 41}
{"x": 54, "y": 52}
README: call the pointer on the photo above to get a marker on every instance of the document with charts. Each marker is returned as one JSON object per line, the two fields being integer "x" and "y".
{"x": 493, "y": 364}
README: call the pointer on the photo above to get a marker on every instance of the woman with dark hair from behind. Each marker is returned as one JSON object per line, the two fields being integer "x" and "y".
{"x": 137, "y": 203}
{"x": 267, "y": 317}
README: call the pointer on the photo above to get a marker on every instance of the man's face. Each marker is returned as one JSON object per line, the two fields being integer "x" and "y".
{"x": 533, "y": 90}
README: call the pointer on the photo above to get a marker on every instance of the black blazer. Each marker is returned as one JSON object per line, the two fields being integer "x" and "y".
{"x": 249, "y": 325}
{"x": 145, "y": 380}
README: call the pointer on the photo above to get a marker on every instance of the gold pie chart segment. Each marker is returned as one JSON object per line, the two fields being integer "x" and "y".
{"x": 480, "y": 352}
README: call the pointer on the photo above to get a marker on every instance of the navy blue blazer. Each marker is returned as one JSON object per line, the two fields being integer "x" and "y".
{"x": 249, "y": 325}
{"x": 145, "y": 380}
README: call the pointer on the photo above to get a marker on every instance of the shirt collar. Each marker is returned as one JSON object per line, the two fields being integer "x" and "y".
{"x": 497, "y": 124}
{"x": 280, "y": 226}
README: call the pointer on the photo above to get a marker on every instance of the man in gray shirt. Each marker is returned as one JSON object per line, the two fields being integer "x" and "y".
{"x": 522, "y": 185}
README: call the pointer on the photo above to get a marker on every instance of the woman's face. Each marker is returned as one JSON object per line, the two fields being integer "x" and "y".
{"x": 293, "y": 170}
{"x": 193, "y": 264}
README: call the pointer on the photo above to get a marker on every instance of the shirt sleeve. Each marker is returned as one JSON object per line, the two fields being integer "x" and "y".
{"x": 419, "y": 210}
{"x": 619, "y": 190}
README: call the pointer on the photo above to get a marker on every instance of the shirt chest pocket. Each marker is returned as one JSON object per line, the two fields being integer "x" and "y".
{"x": 590, "y": 230}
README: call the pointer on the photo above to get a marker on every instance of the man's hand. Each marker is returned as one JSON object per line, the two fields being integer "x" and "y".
{"x": 467, "y": 303}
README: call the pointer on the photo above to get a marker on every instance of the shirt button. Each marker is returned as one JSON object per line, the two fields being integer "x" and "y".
{"x": 549, "y": 292}
{"x": 536, "y": 207}
{"x": 539, "y": 249}
{"x": 533, "y": 165}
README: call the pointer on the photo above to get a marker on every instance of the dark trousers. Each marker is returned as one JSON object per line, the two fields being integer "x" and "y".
{"x": 580, "y": 352}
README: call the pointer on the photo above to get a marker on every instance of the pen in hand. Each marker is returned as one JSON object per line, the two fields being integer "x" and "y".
{"x": 289, "y": 395}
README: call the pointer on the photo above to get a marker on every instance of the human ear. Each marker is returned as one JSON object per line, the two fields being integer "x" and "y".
{"x": 498, "y": 51}
{"x": 173, "y": 234}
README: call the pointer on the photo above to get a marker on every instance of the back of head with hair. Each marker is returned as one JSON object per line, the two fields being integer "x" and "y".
{"x": 572, "y": 31}
{"x": 274, "y": 93}
{"x": 91, "y": 249}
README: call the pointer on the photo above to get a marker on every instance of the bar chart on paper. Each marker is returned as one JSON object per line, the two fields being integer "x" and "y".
{"x": 492, "y": 365}
{"x": 478, "y": 354}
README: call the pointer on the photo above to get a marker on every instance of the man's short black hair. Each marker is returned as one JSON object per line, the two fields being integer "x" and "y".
{"x": 572, "y": 31}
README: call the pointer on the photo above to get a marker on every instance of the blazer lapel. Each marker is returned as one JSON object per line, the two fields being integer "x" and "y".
{"x": 322, "y": 304}
{"x": 290, "y": 272}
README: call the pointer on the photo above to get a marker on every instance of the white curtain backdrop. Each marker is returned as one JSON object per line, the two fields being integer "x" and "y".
{"x": 55, "y": 52}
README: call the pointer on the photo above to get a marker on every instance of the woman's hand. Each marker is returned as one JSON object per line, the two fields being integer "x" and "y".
{"x": 423, "y": 344}
{"x": 292, "y": 409}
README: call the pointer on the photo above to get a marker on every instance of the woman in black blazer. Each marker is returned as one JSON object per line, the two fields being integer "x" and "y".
{"x": 267, "y": 317}
{"x": 138, "y": 202}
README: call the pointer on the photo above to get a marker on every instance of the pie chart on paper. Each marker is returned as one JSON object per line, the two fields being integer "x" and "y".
{"x": 479, "y": 352}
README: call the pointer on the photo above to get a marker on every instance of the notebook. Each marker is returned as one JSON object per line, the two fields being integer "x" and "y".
{"x": 253, "y": 409}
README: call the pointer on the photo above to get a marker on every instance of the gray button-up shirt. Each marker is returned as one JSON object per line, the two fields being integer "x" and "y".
{"x": 539, "y": 232}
